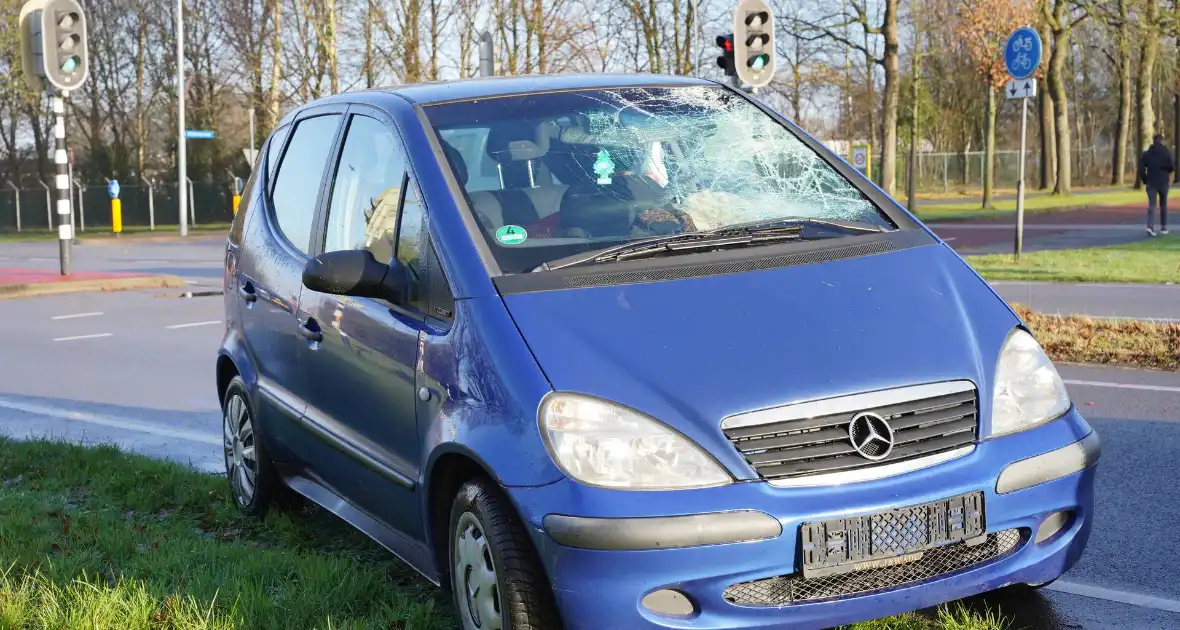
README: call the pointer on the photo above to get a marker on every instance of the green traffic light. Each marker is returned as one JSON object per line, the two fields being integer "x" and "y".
{"x": 70, "y": 64}
{"x": 759, "y": 62}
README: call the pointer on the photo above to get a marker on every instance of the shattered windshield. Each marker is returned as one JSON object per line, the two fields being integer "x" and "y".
{"x": 556, "y": 174}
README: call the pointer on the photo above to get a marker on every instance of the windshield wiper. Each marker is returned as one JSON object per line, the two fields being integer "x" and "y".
{"x": 740, "y": 235}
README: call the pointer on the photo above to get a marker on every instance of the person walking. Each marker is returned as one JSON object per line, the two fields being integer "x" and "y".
{"x": 1155, "y": 170}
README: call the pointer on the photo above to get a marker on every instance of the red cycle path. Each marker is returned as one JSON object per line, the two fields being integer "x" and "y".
{"x": 16, "y": 275}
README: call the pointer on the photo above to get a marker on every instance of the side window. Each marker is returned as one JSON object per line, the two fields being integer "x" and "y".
{"x": 298, "y": 181}
{"x": 272, "y": 150}
{"x": 366, "y": 190}
{"x": 409, "y": 246}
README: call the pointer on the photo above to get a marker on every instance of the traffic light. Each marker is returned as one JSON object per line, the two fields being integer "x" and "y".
{"x": 725, "y": 43}
{"x": 63, "y": 44}
{"x": 753, "y": 42}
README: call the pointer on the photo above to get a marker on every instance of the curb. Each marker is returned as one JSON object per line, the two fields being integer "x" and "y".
{"x": 12, "y": 291}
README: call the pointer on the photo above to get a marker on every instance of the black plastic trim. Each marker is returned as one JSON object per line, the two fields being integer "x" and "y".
{"x": 371, "y": 461}
{"x": 713, "y": 263}
{"x": 661, "y": 532}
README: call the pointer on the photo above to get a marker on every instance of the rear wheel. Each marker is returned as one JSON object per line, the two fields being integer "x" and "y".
{"x": 253, "y": 482}
{"x": 496, "y": 579}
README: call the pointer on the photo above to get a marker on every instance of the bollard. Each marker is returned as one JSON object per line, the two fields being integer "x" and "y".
{"x": 116, "y": 206}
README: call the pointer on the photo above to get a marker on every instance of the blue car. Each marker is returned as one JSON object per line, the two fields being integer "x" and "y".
{"x": 633, "y": 351}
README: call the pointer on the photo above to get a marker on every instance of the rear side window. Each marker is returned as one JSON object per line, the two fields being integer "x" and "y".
{"x": 298, "y": 181}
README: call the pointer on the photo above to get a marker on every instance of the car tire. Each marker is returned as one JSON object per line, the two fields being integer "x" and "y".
{"x": 253, "y": 482}
{"x": 488, "y": 549}
{"x": 1037, "y": 587}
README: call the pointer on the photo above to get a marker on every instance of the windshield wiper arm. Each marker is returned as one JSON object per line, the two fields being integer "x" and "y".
{"x": 671, "y": 243}
{"x": 742, "y": 234}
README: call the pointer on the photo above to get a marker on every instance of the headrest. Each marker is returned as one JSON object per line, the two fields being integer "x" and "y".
{"x": 458, "y": 164}
{"x": 516, "y": 143}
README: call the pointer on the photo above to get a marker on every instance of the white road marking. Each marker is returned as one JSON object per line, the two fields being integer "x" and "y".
{"x": 77, "y": 315}
{"x": 949, "y": 239}
{"x": 1086, "y": 285}
{"x": 1110, "y": 595}
{"x": 75, "y": 338}
{"x": 1150, "y": 388}
{"x": 111, "y": 421}
{"x": 208, "y": 323}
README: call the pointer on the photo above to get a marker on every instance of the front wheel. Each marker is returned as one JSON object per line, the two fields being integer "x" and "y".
{"x": 496, "y": 577}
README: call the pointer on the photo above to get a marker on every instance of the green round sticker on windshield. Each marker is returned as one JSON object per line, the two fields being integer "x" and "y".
{"x": 511, "y": 234}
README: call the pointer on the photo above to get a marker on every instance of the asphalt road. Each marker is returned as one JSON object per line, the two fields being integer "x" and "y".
{"x": 197, "y": 260}
{"x": 1117, "y": 301}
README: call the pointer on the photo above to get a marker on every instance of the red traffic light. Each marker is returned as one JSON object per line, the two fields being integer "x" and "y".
{"x": 725, "y": 42}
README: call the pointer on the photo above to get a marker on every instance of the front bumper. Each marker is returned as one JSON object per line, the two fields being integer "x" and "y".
{"x": 604, "y": 589}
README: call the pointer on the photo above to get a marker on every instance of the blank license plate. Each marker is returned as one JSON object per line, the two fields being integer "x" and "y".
{"x": 848, "y": 544}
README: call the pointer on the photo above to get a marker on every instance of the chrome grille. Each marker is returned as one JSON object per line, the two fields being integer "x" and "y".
{"x": 933, "y": 563}
{"x": 812, "y": 438}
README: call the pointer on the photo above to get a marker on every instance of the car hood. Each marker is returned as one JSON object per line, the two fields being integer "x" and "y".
{"x": 691, "y": 352}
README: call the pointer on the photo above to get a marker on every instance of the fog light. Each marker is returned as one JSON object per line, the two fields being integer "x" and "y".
{"x": 669, "y": 602}
{"x": 1052, "y": 524}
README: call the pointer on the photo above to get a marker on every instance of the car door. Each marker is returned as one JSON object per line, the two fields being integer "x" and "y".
{"x": 361, "y": 370}
{"x": 270, "y": 272}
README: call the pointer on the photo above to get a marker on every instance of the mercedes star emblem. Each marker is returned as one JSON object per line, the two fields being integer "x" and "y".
{"x": 871, "y": 436}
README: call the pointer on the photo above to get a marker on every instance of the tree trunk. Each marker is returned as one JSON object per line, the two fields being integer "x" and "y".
{"x": 1118, "y": 171}
{"x": 276, "y": 51}
{"x": 989, "y": 158}
{"x": 367, "y": 62}
{"x": 140, "y": 114}
{"x": 890, "y": 30}
{"x": 1060, "y": 103}
{"x": 1047, "y": 129}
{"x": 1149, "y": 33}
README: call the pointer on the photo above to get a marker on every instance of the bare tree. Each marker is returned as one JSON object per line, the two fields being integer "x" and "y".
{"x": 834, "y": 27}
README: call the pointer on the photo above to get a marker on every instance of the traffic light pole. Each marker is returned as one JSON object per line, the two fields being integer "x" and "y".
{"x": 65, "y": 227}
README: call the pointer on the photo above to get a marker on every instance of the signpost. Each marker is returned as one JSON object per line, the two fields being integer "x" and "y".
{"x": 116, "y": 207}
{"x": 198, "y": 134}
{"x": 1022, "y": 56}
{"x": 860, "y": 159}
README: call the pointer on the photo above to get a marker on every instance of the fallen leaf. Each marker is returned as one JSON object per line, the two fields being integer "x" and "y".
{"x": 65, "y": 526}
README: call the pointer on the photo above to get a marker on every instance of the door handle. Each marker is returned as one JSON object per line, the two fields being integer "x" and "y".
{"x": 246, "y": 291}
{"x": 311, "y": 334}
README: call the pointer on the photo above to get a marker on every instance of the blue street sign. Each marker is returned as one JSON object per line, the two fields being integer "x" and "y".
{"x": 1022, "y": 54}
{"x": 198, "y": 134}
{"x": 113, "y": 188}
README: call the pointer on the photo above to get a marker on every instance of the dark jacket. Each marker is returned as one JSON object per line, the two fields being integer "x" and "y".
{"x": 1156, "y": 166}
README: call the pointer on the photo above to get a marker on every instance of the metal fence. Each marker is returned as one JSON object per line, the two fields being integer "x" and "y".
{"x": 142, "y": 206}
{"x": 944, "y": 172}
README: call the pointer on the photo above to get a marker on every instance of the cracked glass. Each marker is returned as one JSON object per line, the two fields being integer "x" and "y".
{"x": 549, "y": 175}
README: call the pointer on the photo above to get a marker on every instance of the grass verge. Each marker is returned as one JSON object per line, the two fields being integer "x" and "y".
{"x": 1032, "y": 204}
{"x": 31, "y": 236}
{"x": 1153, "y": 260}
{"x": 1077, "y": 339}
{"x": 95, "y": 538}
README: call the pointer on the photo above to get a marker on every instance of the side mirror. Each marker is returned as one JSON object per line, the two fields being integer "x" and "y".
{"x": 356, "y": 273}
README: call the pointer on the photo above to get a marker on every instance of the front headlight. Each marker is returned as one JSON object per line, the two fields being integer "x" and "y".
{"x": 1028, "y": 390}
{"x": 604, "y": 444}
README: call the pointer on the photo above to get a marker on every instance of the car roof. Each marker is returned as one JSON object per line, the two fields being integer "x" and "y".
{"x": 489, "y": 87}
{"x": 432, "y": 92}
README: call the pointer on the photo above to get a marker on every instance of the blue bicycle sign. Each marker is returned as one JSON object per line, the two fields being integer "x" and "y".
{"x": 1022, "y": 54}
